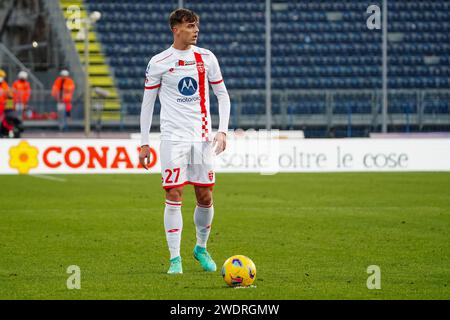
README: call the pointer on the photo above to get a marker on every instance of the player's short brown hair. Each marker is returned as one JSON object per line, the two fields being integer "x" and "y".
{"x": 181, "y": 15}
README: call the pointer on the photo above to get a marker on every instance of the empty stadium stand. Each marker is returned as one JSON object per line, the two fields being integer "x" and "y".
{"x": 323, "y": 46}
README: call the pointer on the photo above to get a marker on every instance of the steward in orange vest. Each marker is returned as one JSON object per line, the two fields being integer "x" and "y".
{"x": 4, "y": 92}
{"x": 63, "y": 89}
{"x": 21, "y": 93}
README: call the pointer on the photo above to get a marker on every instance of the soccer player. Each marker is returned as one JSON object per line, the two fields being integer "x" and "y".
{"x": 181, "y": 76}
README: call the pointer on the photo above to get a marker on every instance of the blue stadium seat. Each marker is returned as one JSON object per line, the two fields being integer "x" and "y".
{"x": 309, "y": 51}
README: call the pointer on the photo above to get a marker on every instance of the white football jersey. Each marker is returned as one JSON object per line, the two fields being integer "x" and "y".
{"x": 182, "y": 78}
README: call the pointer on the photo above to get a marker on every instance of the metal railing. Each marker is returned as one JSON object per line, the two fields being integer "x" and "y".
{"x": 43, "y": 107}
{"x": 14, "y": 62}
{"x": 296, "y": 108}
{"x": 411, "y": 110}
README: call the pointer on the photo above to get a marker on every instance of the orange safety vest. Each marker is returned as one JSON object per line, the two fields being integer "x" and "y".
{"x": 21, "y": 91}
{"x": 63, "y": 89}
{"x": 4, "y": 93}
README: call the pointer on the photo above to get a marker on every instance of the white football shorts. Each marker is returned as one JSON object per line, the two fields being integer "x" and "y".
{"x": 185, "y": 162}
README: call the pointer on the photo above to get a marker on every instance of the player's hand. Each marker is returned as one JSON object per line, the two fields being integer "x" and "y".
{"x": 220, "y": 142}
{"x": 144, "y": 156}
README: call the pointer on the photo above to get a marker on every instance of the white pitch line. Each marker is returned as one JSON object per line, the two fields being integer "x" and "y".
{"x": 47, "y": 177}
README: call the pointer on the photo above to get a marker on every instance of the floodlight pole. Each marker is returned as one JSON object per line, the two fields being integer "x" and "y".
{"x": 385, "y": 78}
{"x": 268, "y": 67}
{"x": 180, "y": 3}
{"x": 87, "y": 89}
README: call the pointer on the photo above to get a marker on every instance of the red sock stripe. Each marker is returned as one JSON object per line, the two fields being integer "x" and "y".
{"x": 204, "y": 206}
{"x": 173, "y": 203}
{"x": 173, "y": 230}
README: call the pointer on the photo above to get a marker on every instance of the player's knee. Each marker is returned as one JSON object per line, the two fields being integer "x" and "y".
{"x": 174, "y": 194}
{"x": 204, "y": 198}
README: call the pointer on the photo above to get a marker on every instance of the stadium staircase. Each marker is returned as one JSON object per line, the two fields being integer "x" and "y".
{"x": 100, "y": 74}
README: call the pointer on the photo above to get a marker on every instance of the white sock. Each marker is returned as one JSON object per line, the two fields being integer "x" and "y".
{"x": 203, "y": 217}
{"x": 173, "y": 224}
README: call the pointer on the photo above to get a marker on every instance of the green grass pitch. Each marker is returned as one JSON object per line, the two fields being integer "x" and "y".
{"x": 311, "y": 236}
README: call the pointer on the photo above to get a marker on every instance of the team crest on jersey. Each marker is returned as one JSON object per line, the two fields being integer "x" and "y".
{"x": 187, "y": 86}
{"x": 181, "y": 63}
{"x": 211, "y": 175}
{"x": 200, "y": 67}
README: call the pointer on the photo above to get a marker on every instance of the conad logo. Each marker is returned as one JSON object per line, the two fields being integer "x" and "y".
{"x": 92, "y": 158}
{"x": 23, "y": 157}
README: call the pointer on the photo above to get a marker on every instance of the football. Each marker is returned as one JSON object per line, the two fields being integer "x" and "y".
{"x": 239, "y": 271}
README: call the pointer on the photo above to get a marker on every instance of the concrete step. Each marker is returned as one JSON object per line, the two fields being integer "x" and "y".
{"x": 101, "y": 81}
{"x": 93, "y": 47}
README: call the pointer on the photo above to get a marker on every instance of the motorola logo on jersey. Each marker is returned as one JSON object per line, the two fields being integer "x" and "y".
{"x": 187, "y": 86}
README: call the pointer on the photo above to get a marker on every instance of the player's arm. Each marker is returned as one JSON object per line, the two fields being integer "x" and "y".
{"x": 220, "y": 90}
{"x": 152, "y": 84}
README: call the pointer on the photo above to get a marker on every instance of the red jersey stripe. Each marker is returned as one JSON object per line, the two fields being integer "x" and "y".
{"x": 188, "y": 182}
{"x": 201, "y": 184}
{"x": 164, "y": 58}
{"x": 175, "y": 185}
{"x": 152, "y": 87}
{"x": 201, "y": 80}
{"x": 216, "y": 82}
